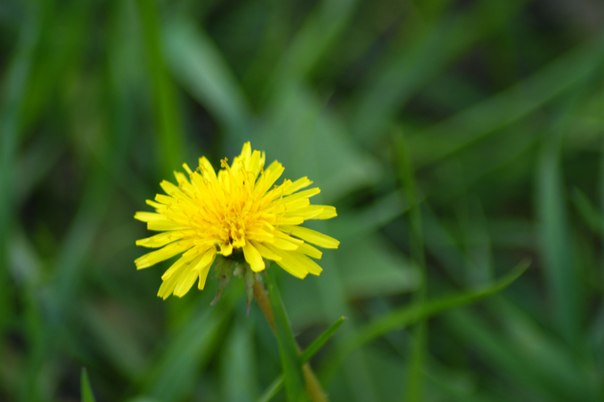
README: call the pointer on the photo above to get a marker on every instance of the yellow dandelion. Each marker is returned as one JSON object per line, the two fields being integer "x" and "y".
{"x": 238, "y": 210}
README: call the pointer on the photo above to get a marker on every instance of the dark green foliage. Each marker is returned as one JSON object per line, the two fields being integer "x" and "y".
{"x": 497, "y": 105}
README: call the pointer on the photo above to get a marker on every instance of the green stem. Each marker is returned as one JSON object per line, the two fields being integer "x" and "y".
{"x": 313, "y": 386}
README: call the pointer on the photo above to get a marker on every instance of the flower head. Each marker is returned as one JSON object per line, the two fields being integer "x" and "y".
{"x": 238, "y": 210}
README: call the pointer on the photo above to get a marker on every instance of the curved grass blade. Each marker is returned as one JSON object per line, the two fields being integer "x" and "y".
{"x": 174, "y": 375}
{"x": 86, "y": 389}
{"x": 12, "y": 105}
{"x": 556, "y": 244}
{"x": 511, "y": 105}
{"x": 201, "y": 69}
{"x": 414, "y": 389}
{"x": 308, "y": 353}
{"x": 416, "y": 312}
{"x": 168, "y": 125}
{"x": 238, "y": 360}
{"x": 288, "y": 349}
{"x": 588, "y": 212}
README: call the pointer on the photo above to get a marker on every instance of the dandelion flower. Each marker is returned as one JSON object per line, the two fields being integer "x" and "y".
{"x": 236, "y": 211}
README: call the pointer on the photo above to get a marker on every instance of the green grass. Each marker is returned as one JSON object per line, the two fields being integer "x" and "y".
{"x": 457, "y": 140}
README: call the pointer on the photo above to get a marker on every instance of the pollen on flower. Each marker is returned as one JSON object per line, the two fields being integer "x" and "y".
{"x": 238, "y": 209}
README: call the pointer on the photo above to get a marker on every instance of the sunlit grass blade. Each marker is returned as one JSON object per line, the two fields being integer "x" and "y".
{"x": 320, "y": 31}
{"x": 475, "y": 123}
{"x": 414, "y": 383}
{"x": 412, "y": 63}
{"x": 12, "y": 102}
{"x": 321, "y": 340}
{"x": 86, "y": 389}
{"x": 288, "y": 349}
{"x": 197, "y": 63}
{"x": 60, "y": 63}
{"x": 305, "y": 356}
{"x": 173, "y": 375}
{"x": 537, "y": 365}
{"x": 370, "y": 218}
{"x": 168, "y": 127}
{"x": 588, "y": 212}
{"x": 238, "y": 364}
{"x": 555, "y": 241}
{"x": 416, "y": 312}
{"x": 558, "y": 368}
{"x": 112, "y": 340}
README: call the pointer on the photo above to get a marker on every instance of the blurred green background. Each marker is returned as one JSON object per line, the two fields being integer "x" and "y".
{"x": 479, "y": 122}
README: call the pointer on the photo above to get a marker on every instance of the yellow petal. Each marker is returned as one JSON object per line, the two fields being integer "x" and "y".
{"x": 254, "y": 164}
{"x": 285, "y": 242}
{"x": 269, "y": 177}
{"x": 302, "y": 194}
{"x": 291, "y": 267}
{"x": 298, "y": 264}
{"x": 154, "y": 204}
{"x": 260, "y": 235}
{"x": 182, "y": 262}
{"x": 312, "y": 236}
{"x": 226, "y": 249}
{"x": 181, "y": 179}
{"x": 205, "y": 261}
{"x": 157, "y": 222}
{"x": 163, "y": 199}
{"x": 204, "y": 269}
{"x": 162, "y": 254}
{"x": 203, "y": 275}
{"x": 253, "y": 257}
{"x": 206, "y": 168}
{"x": 292, "y": 205}
{"x": 187, "y": 169}
{"x": 316, "y": 212}
{"x": 267, "y": 252}
{"x": 289, "y": 220}
{"x": 246, "y": 149}
{"x": 306, "y": 263}
{"x": 171, "y": 189}
{"x": 185, "y": 283}
{"x": 292, "y": 187}
{"x": 310, "y": 251}
{"x": 160, "y": 240}
{"x": 144, "y": 216}
{"x": 167, "y": 286}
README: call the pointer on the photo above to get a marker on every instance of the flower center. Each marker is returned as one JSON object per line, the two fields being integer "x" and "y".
{"x": 234, "y": 226}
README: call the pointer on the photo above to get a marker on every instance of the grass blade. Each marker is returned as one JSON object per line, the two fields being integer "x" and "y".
{"x": 86, "y": 389}
{"x": 305, "y": 356}
{"x": 588, "y": 212}
{"x": 556, "y": 244}
{"x": 168, "y": 126}
{"x": 414, "y": 63}
{"x": 324, "y": 26}
{"x": 201, "y": 69}
{"x": 405, "y": 316}
{"x": 173, "y": 376}
{"x": 288, "y": 349}
{"x": 413, "y": 389}
{"x": 237, "y": 365}
{"x": 475, "y": 123}
{"x": 11, "y": 111}
{"x": 320, "y": 341}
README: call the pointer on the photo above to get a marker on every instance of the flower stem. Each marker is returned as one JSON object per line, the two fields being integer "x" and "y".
{"x": 313, "y": 386}
{"x": 262, "y": 300}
